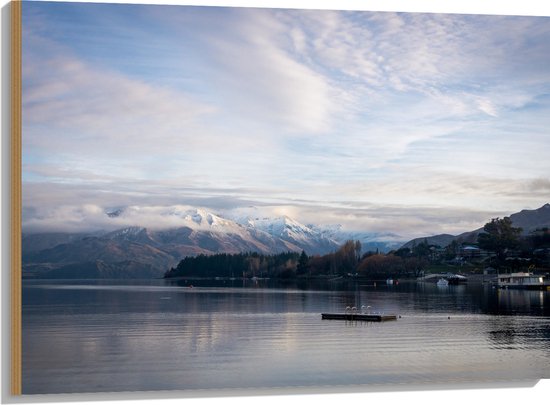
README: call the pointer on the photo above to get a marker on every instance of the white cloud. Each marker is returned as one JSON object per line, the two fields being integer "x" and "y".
{"x": 82, "y": 107}
{"x": 263, "y": 81}
{"x": 314, "y": 110}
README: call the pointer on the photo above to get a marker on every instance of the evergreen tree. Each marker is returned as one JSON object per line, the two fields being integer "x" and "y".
{"x": 303, "y": 263}
{"x": 499, "y": 237}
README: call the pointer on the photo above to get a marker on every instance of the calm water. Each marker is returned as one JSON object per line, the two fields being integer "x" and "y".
{"x": 92, "y": 336}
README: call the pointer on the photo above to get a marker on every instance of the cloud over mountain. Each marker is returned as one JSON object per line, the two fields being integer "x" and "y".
{"x": 152, "y": 251}
{"x": 405, "y": 123}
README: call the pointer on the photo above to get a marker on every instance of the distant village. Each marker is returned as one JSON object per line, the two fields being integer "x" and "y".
{"x": 532, "y": 252}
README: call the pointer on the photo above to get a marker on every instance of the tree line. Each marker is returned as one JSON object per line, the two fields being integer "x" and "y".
{"x": 499, "y": 238}
{"x": 347, "y": 261}
{"x": 250, "y": 264}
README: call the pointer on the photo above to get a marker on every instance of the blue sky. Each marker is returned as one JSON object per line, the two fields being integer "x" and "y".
{"x": 404, "y": 122}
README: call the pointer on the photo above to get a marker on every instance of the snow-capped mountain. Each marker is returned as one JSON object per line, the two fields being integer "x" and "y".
{"x": 293, "y": 232}
{"x": 130, "y": 234}
{"x": 370, "y": 241}
{"x": 328, "y": 236}
{"x": 201, "y": 219}
{"x": 175, "y": 232}
{"x": 190, "y": 231}
{"x": 283, "y": 227}
{"x": 266, "y": 235}
{"x": 152, "y": 251}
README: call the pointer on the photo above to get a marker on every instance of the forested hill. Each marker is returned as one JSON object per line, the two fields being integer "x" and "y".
{"x": 282, "y": 265}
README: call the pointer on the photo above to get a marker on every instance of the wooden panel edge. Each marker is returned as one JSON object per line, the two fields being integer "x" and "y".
{"x": 15, "y": 209}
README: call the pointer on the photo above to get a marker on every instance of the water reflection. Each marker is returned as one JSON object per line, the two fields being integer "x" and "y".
{"x": 522, "y": 301}
{"x": 113, "y": 336}
{"x": 169, "y": 294}
{"x": 472, "y": 298}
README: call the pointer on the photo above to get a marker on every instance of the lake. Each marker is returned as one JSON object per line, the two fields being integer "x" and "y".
{"x": 107, "y": 336}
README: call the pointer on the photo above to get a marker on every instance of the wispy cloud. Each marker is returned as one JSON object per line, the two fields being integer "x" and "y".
{"x": 319, "y": 113}
{"x": 73, "y": 107}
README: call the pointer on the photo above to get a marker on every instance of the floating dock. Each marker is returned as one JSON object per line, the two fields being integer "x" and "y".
{"x": 360, "y": 317}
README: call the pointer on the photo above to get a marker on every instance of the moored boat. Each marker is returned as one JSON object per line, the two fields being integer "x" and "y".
{"x": 442, "y": 282}
{"x": 456, "y": 279}
{"x": 523, "y": 280}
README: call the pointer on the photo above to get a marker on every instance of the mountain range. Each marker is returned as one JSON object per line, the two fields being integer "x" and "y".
{"x": 527, "y": 220}
{"x": 140, "y": 252}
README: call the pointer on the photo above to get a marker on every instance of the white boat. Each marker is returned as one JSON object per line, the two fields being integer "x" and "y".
{"x": 442, "y": 282}
{"x": 528, "y": 281}
{"x": 456, "y": 278}
{"x": 389, "y": 281}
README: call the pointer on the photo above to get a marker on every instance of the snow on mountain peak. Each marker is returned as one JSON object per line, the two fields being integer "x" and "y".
{"x": 292, "y": 231}
{"x": 201, "y": 219}
{"x": 248, "y": 224}
{"x": 198, "y": 216}
{"x": 127, "y": 233}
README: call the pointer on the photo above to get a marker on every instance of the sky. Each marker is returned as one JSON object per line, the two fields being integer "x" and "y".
{"x": 409, "y": 123}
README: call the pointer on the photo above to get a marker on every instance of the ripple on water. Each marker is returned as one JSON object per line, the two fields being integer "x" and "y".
{"x": 79, "y": 339}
